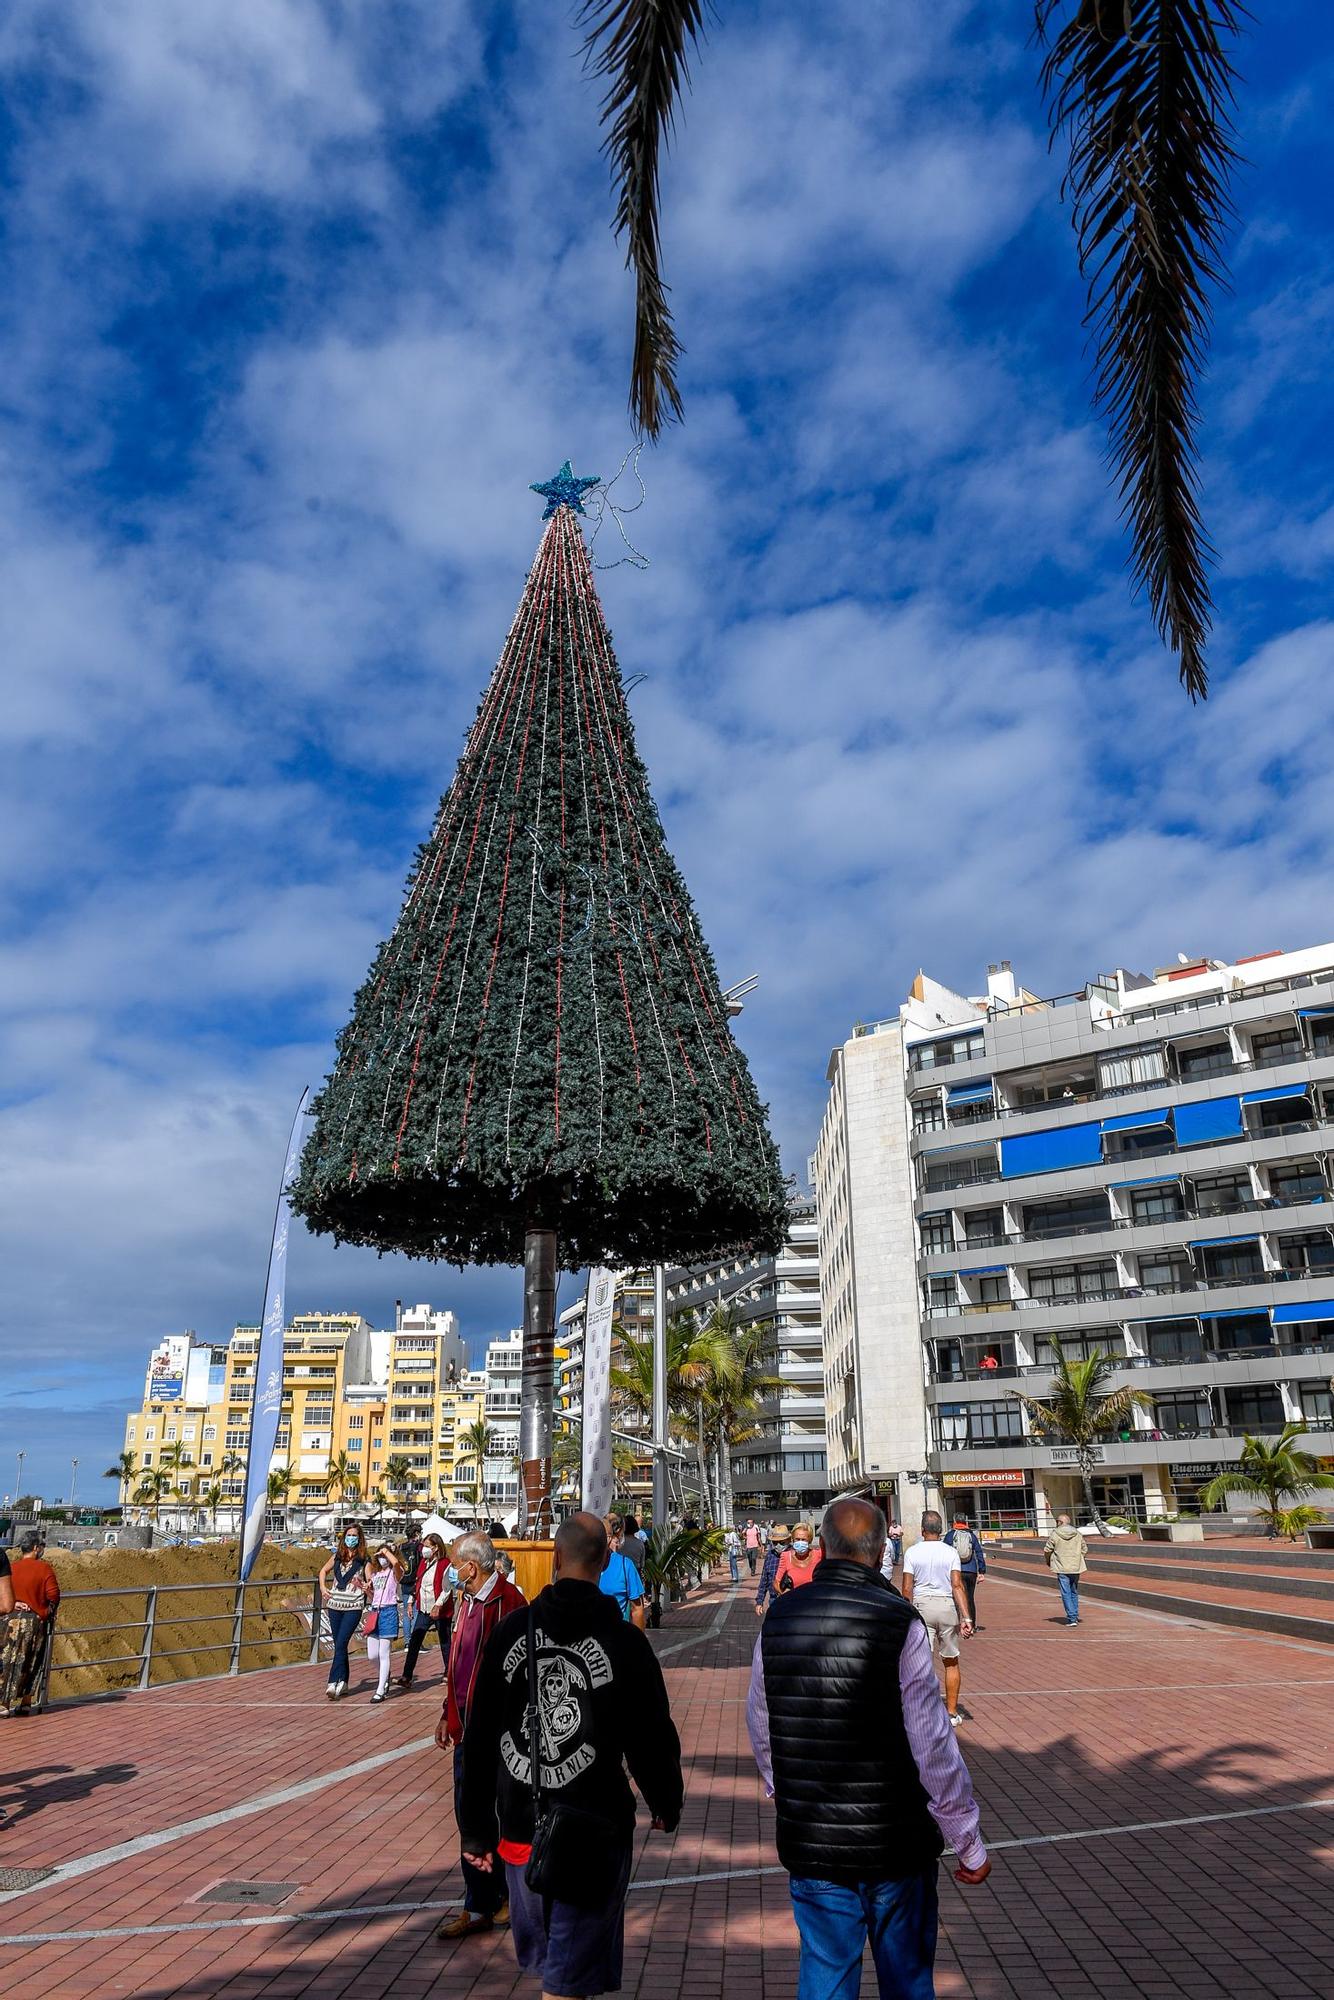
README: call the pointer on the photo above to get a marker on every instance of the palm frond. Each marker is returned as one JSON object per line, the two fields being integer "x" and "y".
{"x": 1143, "y": 89}
{"x": 640, "y": 47}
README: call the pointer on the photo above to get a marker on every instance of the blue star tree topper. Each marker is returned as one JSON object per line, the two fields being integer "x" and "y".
{"x": 564, "y": 490}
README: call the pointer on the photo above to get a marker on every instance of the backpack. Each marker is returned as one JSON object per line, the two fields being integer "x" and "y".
{"x": 963, "y": 1545}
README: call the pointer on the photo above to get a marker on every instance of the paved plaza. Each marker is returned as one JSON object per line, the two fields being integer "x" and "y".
{"x": 1158, "y": 1796}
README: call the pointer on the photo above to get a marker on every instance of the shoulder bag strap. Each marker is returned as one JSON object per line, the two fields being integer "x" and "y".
{"x": 534, "y": 1743}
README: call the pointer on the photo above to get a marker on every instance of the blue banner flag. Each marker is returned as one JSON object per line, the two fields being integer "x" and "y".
{"x": 267, "y": 1403}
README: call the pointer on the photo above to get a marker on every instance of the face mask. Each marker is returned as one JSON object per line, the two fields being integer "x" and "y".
{"x": 352, "y": 1540}
{"x": 800, "y": 1548}
{"x": 383, "y": 1561}
{"x": 453, "y": 1576}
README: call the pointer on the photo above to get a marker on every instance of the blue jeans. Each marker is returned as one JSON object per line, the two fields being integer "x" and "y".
{"x": 1069, "y": 1596}
{"x": 900, "y": 1919}
{"x": 731, "y": 1563}
{"x": 343, "y": 1625}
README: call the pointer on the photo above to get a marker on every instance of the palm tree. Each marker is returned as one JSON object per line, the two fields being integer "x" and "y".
{"x": 739, "y": 1380}
{"x": 1079, "y": 1411}
{"x": 212, "y": 1498}
{"x": 341, "y": 1474}
{"x": 123, "y": 1471}
{"x": 480, "y": 1441}
{"x": 1267, "y": 1469}
{"x": 280, "y": 1482}
{"x": 695, "y": 1357}
{"x": 154, "y": 1485}
{"x": 1142, "y": 90}
{"x": 398, "y": 1477}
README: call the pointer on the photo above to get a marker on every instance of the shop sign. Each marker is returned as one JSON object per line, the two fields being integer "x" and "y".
{"x": 1068, "y": 1454}
{"x": 1203, "y": 1469}
{"x": 956, "y": 1479}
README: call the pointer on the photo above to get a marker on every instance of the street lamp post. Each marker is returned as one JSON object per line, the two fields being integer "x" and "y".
{"x": 18, "y": 1483}
{"x": 73, "y": 1477}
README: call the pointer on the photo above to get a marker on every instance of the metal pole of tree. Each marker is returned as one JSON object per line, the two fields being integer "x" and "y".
{"x": 73, "y": 1476}
{"x": 537, "y": 1382}
{"x": 18, "y": 1481}
{"x": 660, "y": 1399}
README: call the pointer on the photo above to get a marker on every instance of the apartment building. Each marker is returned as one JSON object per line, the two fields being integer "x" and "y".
{"x": 1141, "y": 1168}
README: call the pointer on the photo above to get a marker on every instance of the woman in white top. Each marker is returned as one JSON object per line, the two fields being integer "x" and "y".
{"x": 382, "y": 1605}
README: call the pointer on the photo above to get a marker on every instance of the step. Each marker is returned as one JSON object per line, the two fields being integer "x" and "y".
{"x": 1206, "y": 1610}
{"x": 1272, "y": 1583}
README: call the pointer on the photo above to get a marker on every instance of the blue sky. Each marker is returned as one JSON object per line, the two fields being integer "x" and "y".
{"x": 298, "y": 297}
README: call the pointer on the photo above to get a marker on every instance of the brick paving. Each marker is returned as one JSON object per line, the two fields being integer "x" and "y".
{"x": 1133, "y": 1718}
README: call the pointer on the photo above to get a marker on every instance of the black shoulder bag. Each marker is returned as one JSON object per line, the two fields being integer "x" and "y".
{"x": 576, "y": 1855}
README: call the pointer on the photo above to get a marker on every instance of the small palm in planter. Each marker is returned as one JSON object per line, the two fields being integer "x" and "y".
{"x": 670, "y": 1561}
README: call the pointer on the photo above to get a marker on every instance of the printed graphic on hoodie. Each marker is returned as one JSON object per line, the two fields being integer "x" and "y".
{"x": 566, "y": 1678}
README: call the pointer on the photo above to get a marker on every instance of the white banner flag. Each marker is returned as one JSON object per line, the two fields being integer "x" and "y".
{"x": 598, "y": 1307}
{"x": 268, "y": 1389}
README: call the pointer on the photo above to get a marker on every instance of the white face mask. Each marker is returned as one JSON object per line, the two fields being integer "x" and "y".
{"x": 383, "y": 1561}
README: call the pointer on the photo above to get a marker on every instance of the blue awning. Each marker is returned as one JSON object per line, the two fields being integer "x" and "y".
{"x": 1157, "y": 1180}
{"x": 1314, "y": 1013}
{"x": 969, "y": 1093}
{"x": 1139, "y": 1121}
{"x": 984, "y": 1271}
{"x": 1044, "y": 1152}
{"x": 1210, "y": 1119}
{"x": 1270, "y": 1096}
{"x": 1313, "y": 1309}
{"x": 1221, "y": 1242}
{"x": 1238, "y": 1312}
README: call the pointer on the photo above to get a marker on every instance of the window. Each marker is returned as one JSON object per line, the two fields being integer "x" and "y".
{"x": 1160, "y": 1204}
{"x": 170, "y": 1433}
{"x": 236, "y": 1440}
{"x": 994, "y": 1423}
{"x": 994, "y": 1291}
{"x": 188, "y": 1434}
{"x": 1300, "y": 1254}
{"x": 1173, "y": 1340}
{"x": 940, "y": 1295}
{"x": 148, "y": 1458}
{"x": 1240, "y": 1332}
{"x": 1222, "y": 1194}
{"x": 1318, "y": 1406}
{"x": 1302, "y": 1182}
{"x": 1182, "y": 1414}
{"x": 150, "y": 1432}
{"x": 356, "y": 1423}
{"x": 937, "y": 1233}
{"x": 1072, "y": 1281}
{"x": 210, "y": 1433}
{"x": 1201, "y": 1059}
{"x": 941, "y": 1054}
{"x": 354, "y": 1444}
{"x": 984, "y": 1226}
{"x": 207, "y": 1458}
{"x": 1063, "y": 1218}
{"x": 1258, "y": 1409}
{"x": 1076, "y": 1346}
{"x": 1165, "y": 1273}
{"x": 1132, "y": 1069}
{"x": 928, "y": 1115}
{"x": 1241, "y": 1260}
{"x": 1285, "y": 1045}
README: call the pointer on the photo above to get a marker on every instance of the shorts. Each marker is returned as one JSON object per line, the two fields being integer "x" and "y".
{"x": 574, "y": 1952}
{"x": 940, "y": 1615}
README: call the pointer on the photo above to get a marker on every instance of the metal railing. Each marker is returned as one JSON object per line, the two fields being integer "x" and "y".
{"x": 246, "y": 1620}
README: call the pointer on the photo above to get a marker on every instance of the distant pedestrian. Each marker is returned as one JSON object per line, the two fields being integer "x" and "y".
{"x": 972, "y": 1559}
{"x": 485, "y": 1598}
{"x": 623, "y": 1578}
{"x": 601, "y": 1704}
{"x": 1067, "y": 1554}
{"x": 505, "y": 1569}
{"x": 751, "y": 1538}
{"x": 933, "y": 1585}
{"x": 777, "y": 1544}
{"x": 798, "y": 1564}
{"x": 732, "y": 1550}
{"x": 893, "y": 1555}
{"x": 865, "y": 1774}
{"x": 410, "y": 1555}
{"x": 381, "y": 1624}
{"x": 24, "y": 1640}
{"x": 432, "y": 1602}
{"x": 344, "y": 1583}
{"x": 627, "y": 1540}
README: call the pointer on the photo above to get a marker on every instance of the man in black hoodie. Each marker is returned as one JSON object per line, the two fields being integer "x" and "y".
{"x": 602, "y": 1704}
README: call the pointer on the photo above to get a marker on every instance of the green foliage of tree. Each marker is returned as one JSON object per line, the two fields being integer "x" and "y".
{"x": 1267, "y": 1469}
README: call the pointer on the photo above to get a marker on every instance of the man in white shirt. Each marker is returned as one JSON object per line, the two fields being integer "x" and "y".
{"x": 933, "y": 1585}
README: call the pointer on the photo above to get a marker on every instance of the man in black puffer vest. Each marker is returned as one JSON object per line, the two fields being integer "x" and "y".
{"x": 850, "y": 1733}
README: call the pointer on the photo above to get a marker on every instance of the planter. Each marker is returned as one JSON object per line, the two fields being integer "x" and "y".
{"x": 1172, "y": 1531}
{"x": 1320, "y": 1538}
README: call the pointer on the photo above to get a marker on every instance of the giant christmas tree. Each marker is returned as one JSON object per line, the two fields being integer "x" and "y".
{"x": 539, "y": 1066}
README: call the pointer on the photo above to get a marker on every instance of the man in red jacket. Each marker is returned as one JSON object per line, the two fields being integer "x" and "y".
{"x": 487, "y": 1598}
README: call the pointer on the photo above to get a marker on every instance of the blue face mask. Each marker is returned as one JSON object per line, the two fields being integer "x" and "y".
{"x": 800, "y": 1548}
{"x": 352, "y": 1540}
{"x": 453, "y": 1576}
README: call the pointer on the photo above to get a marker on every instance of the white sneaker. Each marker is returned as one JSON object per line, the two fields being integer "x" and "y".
{"x": 955, "y": 1720}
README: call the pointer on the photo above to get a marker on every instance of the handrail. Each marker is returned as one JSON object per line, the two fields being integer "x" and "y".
{"x": 243, "y": 1608}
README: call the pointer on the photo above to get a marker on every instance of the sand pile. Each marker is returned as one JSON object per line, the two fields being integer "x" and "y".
{"x": 193, "y": 1626}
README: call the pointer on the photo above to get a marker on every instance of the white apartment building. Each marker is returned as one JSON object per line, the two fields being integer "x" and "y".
{"x": 1143, "y": 1167}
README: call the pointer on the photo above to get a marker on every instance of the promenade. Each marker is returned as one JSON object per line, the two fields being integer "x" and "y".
{"x": 1158, "y": 1796}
